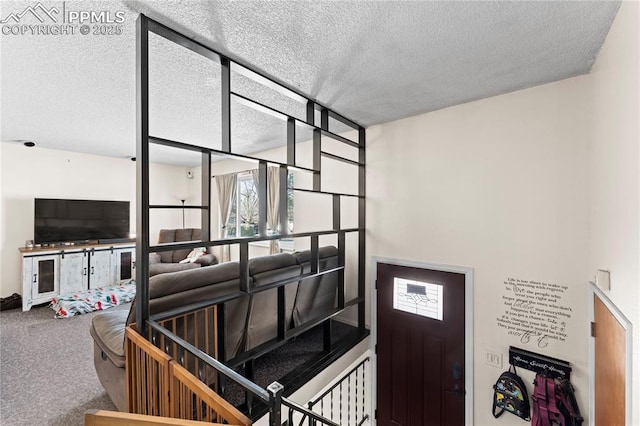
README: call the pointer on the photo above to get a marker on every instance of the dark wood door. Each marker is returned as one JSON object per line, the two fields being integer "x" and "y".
{"x": 610, "y": 368}
{"x": 420, "y": 352}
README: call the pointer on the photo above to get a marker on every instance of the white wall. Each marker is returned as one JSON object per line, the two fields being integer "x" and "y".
{"x": 167, "y": 186}
{"x": 541, "y": 184}
{"x": 3, "y": 231}
{"x": 28, "y": 173}
{"x": 614, "y": 166}
{"x": 497, "y": 185}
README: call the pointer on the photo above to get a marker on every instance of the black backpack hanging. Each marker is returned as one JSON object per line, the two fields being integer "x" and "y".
{"x": 569, "y": 406}
{"x": 510, "y": 394}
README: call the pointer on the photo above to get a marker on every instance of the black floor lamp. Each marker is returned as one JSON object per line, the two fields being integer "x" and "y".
{"x": 183, "y": 212}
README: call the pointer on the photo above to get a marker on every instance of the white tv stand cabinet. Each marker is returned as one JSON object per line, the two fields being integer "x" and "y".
{"x": 61, "y": 269}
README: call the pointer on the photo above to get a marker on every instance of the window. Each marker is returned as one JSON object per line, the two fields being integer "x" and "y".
{"x": 243, "y": 220}
{"x": 420, "y": 298}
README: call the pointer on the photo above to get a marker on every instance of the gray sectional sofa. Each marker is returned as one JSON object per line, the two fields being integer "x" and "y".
{"x": 250, "y": 320}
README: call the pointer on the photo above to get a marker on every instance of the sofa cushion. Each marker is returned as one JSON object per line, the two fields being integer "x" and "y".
{"x": 270, "y": 263}
{"x": 177, "y": 235}
{"x": 316, "y": 296}
{"x": 208, "y": 259}
{"x": 279, "y": 274}
{"x": 107, "y": 330}
{"x": 166, "y": 236}
{"x": 176, "y": 282}
{"x": 323, "y": 252}
{"x": 188, "y": 234}
{"x": 163, "y": 268}
{"x": 263, "y": 320}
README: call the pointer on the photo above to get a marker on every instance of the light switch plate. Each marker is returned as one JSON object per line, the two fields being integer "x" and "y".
{"x": 493, "y": 358}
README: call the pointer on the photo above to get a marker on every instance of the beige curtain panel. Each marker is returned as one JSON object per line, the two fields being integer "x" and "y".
{"x": 273, "y": 205}
{"x": 226, "y": 186}
{"x": 255, "y": 174}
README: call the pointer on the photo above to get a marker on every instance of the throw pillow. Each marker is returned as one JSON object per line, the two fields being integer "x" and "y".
{"x": 194, "y": 255}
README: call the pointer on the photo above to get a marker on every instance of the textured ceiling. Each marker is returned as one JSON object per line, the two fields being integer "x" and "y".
{"x": 372, "y": 61}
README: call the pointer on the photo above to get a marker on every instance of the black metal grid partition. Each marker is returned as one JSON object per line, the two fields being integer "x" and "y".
{"x": 320, "y": 132}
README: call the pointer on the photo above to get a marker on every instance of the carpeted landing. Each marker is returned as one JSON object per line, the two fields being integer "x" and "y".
{"x": 47, "y": 375}
{"x": 294, "y": 356}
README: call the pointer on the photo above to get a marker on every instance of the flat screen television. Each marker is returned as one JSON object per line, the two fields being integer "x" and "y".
{"x": 59, "y": 220}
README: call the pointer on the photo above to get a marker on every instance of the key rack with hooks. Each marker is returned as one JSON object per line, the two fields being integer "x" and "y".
{"x": 538, "y": 363}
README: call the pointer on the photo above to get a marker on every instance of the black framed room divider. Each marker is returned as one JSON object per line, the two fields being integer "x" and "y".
{"x": 319, "y": 121}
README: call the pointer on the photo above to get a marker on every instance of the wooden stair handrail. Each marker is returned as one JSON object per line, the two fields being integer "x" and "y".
{"x": 225, "y": 409}
{"x": 157, "y": 385}
{"x": 116, "y": 418}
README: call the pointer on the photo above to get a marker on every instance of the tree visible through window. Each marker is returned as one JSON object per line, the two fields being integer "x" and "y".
{"x": 243, "y": 220}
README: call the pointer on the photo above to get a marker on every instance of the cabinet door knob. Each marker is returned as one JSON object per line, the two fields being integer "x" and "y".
{"x": 35, "y": 278}
{"x": 92, "y": 272}
{"x": 84, "y": 271}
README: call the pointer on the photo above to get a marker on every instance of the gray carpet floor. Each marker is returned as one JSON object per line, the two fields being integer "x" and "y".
{"x": 47, "y": 375}
{"x": 46, "y": 369}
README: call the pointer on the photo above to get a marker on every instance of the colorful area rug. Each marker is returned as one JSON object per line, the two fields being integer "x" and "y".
{"x": 96, "y": 299}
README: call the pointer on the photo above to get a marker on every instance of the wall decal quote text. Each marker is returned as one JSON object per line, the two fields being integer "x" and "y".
{"x": 534, "y": 311}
